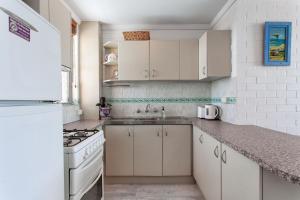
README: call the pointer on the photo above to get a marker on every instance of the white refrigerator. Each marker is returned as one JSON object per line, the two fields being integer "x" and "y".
{"x": 31, "y": 138}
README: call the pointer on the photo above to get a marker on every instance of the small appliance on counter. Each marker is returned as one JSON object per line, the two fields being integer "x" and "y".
{"x": 201, "y": 112}
{"x": 209, "y": 112}
{"x": 104, "y": 109}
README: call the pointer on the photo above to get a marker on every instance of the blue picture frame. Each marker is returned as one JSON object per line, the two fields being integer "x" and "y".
{"x": 277, "y": 43}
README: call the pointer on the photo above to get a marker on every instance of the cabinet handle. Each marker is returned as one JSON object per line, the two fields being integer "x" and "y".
{"x": 129, "y": 134}
{"x": 201, "y": 139}
{"x": 146, "y": 73}
{"x": 166, "y": 132}
{"x": 153, "y": 73}
{"x": 216, "y": 151}
{"x": 224, "y": 157}
{"x": 158, "y": 133}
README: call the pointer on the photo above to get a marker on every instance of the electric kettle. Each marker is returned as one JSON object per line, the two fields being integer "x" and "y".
{"x": 211, "y": 112}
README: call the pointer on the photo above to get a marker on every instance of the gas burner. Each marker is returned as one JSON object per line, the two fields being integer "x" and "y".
{"x": 73, "y": 137}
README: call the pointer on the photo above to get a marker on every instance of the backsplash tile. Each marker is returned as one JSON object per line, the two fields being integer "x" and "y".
{"x": 178, "y": 98}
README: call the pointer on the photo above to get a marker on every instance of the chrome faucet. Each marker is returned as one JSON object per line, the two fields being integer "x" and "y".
{"x": 147, "y": 108}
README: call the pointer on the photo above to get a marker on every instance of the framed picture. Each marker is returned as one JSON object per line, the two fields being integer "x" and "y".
{"x": 277, "y": 45}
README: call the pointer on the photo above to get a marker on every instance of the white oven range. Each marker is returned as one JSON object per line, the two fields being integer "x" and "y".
{"x": 83, "y": 159}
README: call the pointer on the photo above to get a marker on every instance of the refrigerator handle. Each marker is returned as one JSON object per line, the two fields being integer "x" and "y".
{"x": 16, "y": 17}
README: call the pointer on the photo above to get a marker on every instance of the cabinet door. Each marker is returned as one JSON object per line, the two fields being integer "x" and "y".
{"x": 60, "y": 17}
{"x": 211, "y": 168}
{"x": 147, "y": 150}
{"x": 133, "y": 60}
{"x": 241, "y": 177}
{"x": 203, "y": 56}
{"x": 44, "y": 9}
{"x": 196, "y": 154}
{"x": 177, "y": 148}
{"x": 164, "y": 60}
{"x": 119, "y": 150}
{"x": 275, "y": 188}
{"x": 189, "y": 60}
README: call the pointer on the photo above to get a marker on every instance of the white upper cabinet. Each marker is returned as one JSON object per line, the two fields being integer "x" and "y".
{"x": 60, "y": 17}
{"x": 215, "y": 55}
{"x": 133, "y": 60}
{"x": 164, "y": 60}
{"x": 189, "y": 60}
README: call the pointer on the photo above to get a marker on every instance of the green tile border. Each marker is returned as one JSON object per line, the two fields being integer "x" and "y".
{"x": 204, "y": 100}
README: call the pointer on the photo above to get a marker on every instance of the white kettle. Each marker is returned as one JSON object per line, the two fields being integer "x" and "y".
{"x": 211, "y": 111}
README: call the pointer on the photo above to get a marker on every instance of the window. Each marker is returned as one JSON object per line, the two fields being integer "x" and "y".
{"x": 75, "y": 42}
{"x": 65, "y": 74}
{"x": 70, "y": 77}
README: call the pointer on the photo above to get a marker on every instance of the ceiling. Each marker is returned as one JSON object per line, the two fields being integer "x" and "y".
{"x": 147, "y": 11}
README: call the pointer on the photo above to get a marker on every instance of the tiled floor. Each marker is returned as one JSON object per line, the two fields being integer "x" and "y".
{"x": 152, "y": 192}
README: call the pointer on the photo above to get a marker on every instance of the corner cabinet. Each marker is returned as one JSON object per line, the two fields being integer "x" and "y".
{"x": 215, "y": 55}
{"x": 223, "y": 173}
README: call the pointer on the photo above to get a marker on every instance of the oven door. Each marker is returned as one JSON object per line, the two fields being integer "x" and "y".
{"x": 83, "y": 178}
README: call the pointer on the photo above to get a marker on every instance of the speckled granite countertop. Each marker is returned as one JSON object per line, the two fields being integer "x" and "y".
{"x": 84, "y": 124}
{"x": 272, "y": 150}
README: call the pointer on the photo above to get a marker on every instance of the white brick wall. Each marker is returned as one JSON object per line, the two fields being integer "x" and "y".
{"x": 266, "y": 96}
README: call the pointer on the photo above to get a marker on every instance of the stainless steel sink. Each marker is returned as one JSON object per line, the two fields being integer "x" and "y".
{"x": 148, "y": 120}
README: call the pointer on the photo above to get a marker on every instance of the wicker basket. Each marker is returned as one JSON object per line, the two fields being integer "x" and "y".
{"x": 136, "y": 35}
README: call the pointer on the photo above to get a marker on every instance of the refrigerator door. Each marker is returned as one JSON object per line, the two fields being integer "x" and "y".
{"x": 30, "y": 54}
{"x": 31, "y": 153}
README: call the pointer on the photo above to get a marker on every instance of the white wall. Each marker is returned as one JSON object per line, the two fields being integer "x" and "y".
{"x": 266, "y": 96}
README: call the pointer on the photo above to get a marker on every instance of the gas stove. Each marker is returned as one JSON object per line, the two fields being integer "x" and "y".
{"x": 83, "y": 158}
{"x": 74, "y": 137}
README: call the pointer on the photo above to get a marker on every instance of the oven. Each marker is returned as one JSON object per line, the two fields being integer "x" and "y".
{"x": 86, "y": 176}
{"x": 84, "y": 166}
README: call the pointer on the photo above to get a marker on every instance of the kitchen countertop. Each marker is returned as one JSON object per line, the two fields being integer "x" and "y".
{"x": 84, "y": 124}
{"x": 274, "y": 151}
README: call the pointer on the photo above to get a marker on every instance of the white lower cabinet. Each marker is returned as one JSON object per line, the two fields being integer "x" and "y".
{"x": 275, "y": 188}
{"x": 207, "y": 164}
{"x": 148, "y": 150}
{"x": 223, "y": 173}
{"x": 177, "y": 150}
{"x": 241, "y": 177}
{"x": 119, "y": 150}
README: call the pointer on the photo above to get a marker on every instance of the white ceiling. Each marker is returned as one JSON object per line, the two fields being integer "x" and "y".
{"x": 147, "y": 11}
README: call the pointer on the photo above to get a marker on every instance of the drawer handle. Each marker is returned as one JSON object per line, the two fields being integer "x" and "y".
{"x": 216, "y": 151}
{"x": 224, "y": 157}
{"x": 201, "y": 139}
